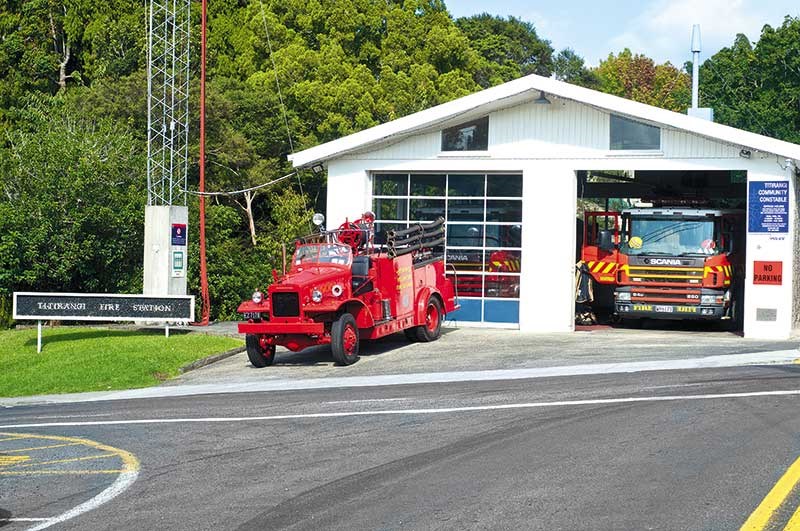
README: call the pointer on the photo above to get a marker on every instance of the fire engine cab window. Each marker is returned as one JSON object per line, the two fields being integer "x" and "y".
{"x": 470, "y": 136}
{"x": 483, "y": 214}
{"x": 630, "y": 135}
{"x": 668, "y": 237}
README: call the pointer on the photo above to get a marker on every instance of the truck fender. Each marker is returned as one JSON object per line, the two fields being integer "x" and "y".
{"x": 360, "y": 311}
{"x": 422, "y": 303}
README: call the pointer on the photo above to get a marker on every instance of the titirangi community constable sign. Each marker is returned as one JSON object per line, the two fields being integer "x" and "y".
{"x": 768, "y": 209}
{"x": 103, "y": 307}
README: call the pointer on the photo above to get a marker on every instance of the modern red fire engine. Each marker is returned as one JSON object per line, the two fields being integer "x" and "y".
{"x": 340, "y": 289}
{"x": 669, "y": 262}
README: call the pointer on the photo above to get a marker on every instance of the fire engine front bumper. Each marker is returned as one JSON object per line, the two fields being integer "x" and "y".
{"x": 278, "y": 329}
{"x": 669, "y": 311}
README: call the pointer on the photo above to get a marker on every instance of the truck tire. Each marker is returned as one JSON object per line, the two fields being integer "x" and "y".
{"x": 344, "y": 340}
{"x": 259, "y": 356}
{"x": 411, "y": 334}
{"x": 432, "y": 329}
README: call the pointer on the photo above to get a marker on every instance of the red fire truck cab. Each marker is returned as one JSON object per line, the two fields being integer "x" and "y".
{"x": 340, "y": 289}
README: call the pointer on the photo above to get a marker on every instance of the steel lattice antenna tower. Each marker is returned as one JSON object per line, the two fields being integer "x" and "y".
{"x": 167, "y": 101}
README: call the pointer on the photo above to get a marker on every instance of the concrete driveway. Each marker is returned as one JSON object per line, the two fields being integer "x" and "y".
{"x": 471, "y": 349}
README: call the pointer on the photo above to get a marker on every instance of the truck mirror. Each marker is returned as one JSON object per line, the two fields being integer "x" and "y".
{"x": 605, "y": 240}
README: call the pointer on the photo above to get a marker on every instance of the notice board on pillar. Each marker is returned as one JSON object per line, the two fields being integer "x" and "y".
{"x": 768, "y": 207}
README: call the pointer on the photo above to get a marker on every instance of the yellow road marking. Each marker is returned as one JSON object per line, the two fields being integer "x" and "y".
{"x": 766, "y": 510}
{"x": 129, "y": 462}
{"x": 10, "y": 460}
{"x": 34, "y": 448}
{"x": 11, "y": 438}
{"x": 70, "y": 460}
{"x": 57, "y": 472}
{"x": 794, "y": 522}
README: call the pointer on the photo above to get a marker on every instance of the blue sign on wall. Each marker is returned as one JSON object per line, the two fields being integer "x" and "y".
{"x": 178, "y": 234}
{"x": 768, "y": 209}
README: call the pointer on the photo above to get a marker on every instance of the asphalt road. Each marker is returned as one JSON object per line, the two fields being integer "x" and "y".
{"x": 659, "y": 450}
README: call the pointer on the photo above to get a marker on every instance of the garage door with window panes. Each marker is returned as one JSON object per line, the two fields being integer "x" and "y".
{"x": 484, "y": 233}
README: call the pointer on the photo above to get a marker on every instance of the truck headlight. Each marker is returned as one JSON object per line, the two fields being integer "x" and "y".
{"x": 710, "y": 299}
{"x": 623, "y": 296}
{"x": 316, "y": 295}
{"x": 257, "y": 297}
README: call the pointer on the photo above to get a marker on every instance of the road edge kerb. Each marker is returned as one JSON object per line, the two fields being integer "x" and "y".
{"x": 208, "y": 360}
{"x": 777, "y": 357}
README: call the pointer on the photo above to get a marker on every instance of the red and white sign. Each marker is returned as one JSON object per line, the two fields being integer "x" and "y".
{"x": 768, "y": 273}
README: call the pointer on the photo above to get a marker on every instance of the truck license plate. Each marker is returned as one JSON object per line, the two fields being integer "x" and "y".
{"x": 251, "y": 315}
{"x": 664, "y": 309}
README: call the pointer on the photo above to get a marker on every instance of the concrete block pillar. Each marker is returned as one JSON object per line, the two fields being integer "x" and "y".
{"x": 166, "y": 247}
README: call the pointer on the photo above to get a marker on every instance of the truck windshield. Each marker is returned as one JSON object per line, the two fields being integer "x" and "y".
{"x": 674, "y": 237}
{"x": 330, "y": 253}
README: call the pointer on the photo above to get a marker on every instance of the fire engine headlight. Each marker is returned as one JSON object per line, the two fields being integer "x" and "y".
{"x": 337, "y": 290}
{"x": 316, "y": 295}
{"x": 257, "y": 297}
{"x": 710, "y": 299}
{"x": 623, "y": 296}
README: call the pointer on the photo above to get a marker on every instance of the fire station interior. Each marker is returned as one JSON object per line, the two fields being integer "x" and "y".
{"x": 661, "y": 249}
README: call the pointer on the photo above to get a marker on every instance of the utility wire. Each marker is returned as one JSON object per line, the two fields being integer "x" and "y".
{"x": 236, "y": 192}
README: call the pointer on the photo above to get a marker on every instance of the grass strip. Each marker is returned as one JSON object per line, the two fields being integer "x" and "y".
{"x": 79, "y": 359}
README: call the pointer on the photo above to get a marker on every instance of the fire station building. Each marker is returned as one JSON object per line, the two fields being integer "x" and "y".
{"x": 506, "y": 167}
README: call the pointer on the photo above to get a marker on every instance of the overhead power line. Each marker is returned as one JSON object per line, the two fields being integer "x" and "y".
{"x": 244, "y": 191}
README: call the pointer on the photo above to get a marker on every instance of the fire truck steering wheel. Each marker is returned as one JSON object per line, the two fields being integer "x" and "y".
{"x": 350, "y": 234}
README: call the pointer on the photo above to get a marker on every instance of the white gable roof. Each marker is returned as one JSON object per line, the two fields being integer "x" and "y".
{"x": 523, "y": 89}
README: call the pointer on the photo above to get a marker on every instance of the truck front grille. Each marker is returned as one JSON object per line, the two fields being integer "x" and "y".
{"x": 664, "y": 275}
{"x": 286, "y": 304}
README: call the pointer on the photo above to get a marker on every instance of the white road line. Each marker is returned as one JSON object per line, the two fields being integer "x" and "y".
{"x": 364, "y": 400}
{"x": 123, "y": 481}
{"x": 428, "y": 411}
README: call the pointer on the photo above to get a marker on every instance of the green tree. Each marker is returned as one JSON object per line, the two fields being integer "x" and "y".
{"x": 639, "y": 78}
{"x": 757, "y": 88}
{"x": 72, "y": 192}
{"x": 570, "y": 67}
{"x": 511, "y": 47}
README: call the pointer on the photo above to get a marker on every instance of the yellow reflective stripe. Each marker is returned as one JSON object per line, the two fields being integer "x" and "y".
{"x": 609, "y": 267}
{"x": 719, "y": 268}
{"x": 663, "y": 268}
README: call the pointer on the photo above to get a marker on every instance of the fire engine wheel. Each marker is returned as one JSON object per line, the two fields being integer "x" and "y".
{"x": 260, "y": 355}
{"x": 344, "y": 340}
{"x": 432, "y": 329}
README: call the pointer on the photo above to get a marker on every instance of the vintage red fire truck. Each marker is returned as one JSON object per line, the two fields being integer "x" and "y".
{"x": 668, "y": 262}
{"x": 340, "y": 289}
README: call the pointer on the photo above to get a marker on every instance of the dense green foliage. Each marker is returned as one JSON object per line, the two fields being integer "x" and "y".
{"x": 109, "y": 359}
{"x": 757, "y": 88}
{"x": 73, "y": 117}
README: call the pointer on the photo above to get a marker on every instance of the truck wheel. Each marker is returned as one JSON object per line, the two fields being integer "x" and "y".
{"x": 259, "y": 356}
{"x": 432, "y": 329}
{"x": 411, "y": 334}
{"x": 344, "y": 340}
